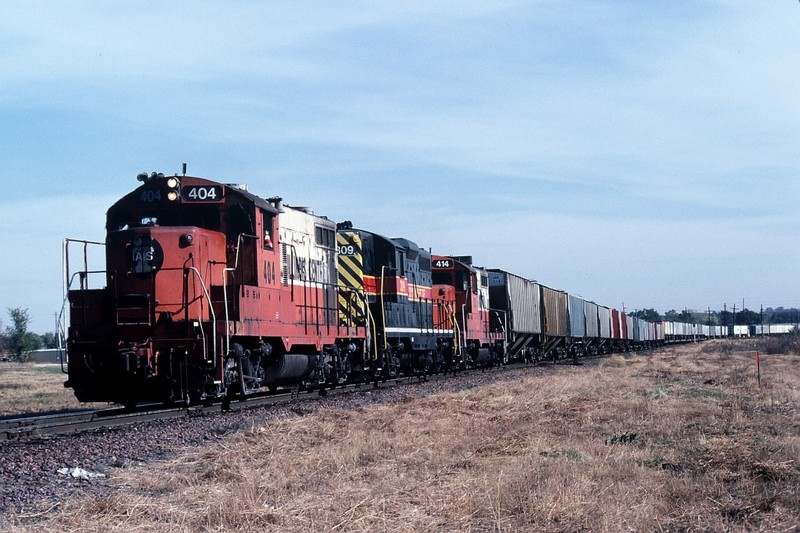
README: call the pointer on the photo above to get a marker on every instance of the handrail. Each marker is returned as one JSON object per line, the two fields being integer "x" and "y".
{"x": 68, "y": 286}
{"x": 291, "y": 263}
{"x": 225, "y": 271}
{"x": 61, "y": 323}
{"x": 456, "y": 330}
{"x": 358, "y": 298}
{"x": 383, "y": 307}
{"x": 369, "y": 319}
{"x": 239, "y": 245}
{"x": 464, "y": 330}
{"x": 212, "y": 313}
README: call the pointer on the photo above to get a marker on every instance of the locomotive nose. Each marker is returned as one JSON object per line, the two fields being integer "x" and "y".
{"x": 145, "y": 255}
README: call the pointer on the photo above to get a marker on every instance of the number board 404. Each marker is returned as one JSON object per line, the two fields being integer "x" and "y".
{"x": 202, "y": 193}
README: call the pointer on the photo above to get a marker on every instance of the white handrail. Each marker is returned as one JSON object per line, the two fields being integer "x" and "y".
{"x": 225, "y": 271}
{"x": 212, "y": 313}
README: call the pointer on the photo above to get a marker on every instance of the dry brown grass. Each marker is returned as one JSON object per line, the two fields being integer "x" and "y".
{"x": 31, "y": 388}
{"x": 681, "y": 440}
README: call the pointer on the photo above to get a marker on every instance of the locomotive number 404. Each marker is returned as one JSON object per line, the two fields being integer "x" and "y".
{"x": 196, "y": 193}
{"x": 150, "y": 196}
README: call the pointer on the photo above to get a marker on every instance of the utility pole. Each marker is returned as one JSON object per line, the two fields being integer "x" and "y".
{"x": 725, "y": 314}
{"x": 734, "y": 320}
{"x": 761, "y": 316}
{"x": 748, "y": 322}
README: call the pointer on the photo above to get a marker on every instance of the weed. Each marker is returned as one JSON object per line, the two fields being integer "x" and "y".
{"x": 659, "y": 393}
{"x": 653, "y": 462}
{"x": 702, "y": 392}
{"x": 572, "y": 453}
{"x": 625, "y": 438}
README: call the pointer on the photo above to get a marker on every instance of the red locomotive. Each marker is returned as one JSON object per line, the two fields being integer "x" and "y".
{"x": 209, "y": 290}
{"x": 480, "y": 331}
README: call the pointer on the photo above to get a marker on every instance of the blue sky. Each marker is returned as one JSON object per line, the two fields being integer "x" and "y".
{"x": 642, "y": 154}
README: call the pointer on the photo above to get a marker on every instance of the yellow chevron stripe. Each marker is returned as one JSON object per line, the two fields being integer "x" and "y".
{"x": 352, "y": 310}
{"x": 348, "y": 280}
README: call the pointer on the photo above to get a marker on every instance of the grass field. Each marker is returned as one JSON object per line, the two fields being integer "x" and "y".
{"x": 685, "y": 439}
{"x": 30, "y": 388}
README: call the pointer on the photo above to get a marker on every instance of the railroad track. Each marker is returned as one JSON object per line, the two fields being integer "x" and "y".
{"x": 27, "y": 427}
{"x": 39, "y": 426}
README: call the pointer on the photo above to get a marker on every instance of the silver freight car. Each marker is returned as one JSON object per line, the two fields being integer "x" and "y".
{"x": 521, "y": 301}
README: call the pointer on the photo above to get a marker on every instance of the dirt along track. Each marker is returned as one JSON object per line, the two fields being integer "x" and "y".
{"x": 30, "y": 482}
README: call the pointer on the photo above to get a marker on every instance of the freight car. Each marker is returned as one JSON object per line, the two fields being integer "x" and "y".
{"x": 209, "y": 291}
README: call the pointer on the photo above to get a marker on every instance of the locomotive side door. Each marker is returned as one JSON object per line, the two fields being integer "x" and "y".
{"x": 242, "y": 242}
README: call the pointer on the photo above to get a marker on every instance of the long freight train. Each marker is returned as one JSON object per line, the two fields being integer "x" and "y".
{"x": 209, "y": 291}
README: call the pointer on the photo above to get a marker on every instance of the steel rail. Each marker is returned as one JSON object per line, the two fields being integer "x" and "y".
{"x": 40, "y": 426}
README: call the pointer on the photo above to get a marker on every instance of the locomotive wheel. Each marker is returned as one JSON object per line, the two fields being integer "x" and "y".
{"x": 424, "y": 364}
{"x": 129, "y": 404}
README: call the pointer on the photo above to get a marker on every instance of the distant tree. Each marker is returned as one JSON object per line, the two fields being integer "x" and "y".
{"x": 747, "y": 317}
{"x": 3, "y": 341}
{"x": 671, "y": 316}
{"x": 651, "y": 315}
{"x": 21, "y": 342}
{"x": 784, "y": 316}
{"x": 686, "y": 316}
{"x": 49, "y": 340}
